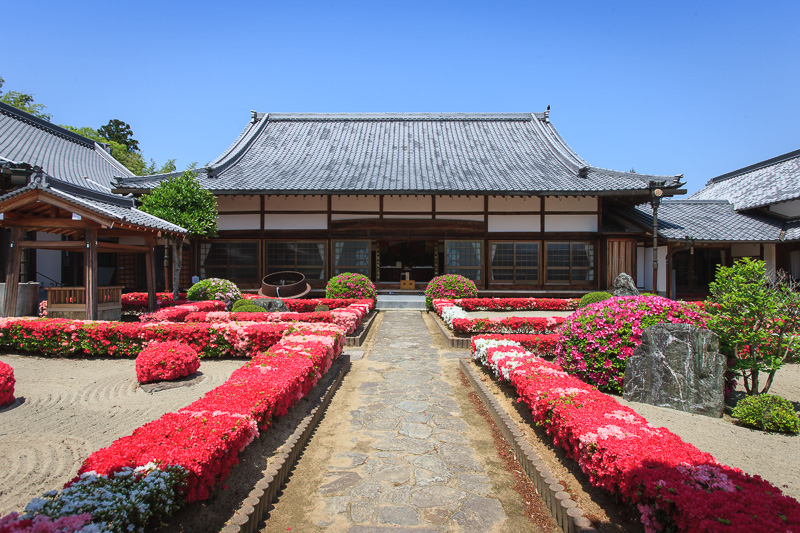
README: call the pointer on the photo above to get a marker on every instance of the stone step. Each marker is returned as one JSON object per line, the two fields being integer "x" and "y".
{"x": 389, "y": 302}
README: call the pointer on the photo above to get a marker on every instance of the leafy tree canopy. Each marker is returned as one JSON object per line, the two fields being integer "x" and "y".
{"x": 23, "y": 101}
{"x": 119, "y": 132}
{"x": 182, "y": 201}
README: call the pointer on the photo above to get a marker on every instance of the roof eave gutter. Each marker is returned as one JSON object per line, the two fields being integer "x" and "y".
{"x": 317, "y": 192}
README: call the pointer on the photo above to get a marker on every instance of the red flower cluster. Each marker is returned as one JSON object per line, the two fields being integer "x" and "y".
{"x": 512, "y": 324}
{"x": 541, "y": 345}
{"x": 675, "y": 486}
{"x": 178, "y": 312}
{"x": 7, "y": 383}
{"x": 133, "y": 301}
{"x": 166, "y": 361}
{"x": 206, "y": 436}
{"x": 517, "y": 304}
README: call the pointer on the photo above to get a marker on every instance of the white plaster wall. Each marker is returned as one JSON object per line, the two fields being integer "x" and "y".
{"x": 570, "y": 222}
{"x": 297, "y": 221}
{"x": 769, "y": 259}
{"x": 229, "y": 222}
{"x": 48, "y": 262}
{"x": 459, "y": 203}
{"x": 789, "y": 209}
{"x": 499, "y": 204}
{"x": 640, "y": 266}
{"x": 446, "y": 216}
{"x": 355, "y": 203}
{"x": 407, "y": 203}
{"x": 296, "y": 203}
{"x": 570, "y": 203}
{"x": 647, "y": 269}
{"x": 345, "y": 216}
{"x": 745, "y": 250}
{"x": 521, "y": 223}
{"x": 238, "y": 203}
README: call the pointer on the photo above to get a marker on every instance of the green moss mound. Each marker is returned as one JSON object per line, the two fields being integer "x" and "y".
{"x": 593, "y": 298}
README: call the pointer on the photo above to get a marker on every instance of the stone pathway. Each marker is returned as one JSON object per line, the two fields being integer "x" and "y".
{"x": 405, "y": 463}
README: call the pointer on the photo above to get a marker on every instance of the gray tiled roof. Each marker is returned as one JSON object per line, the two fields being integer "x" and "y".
{"x": 792, "y": 231}
{"x": 706, "y": 220}
{"x": 108, "y": 205}
{"x": 511, "y": 153}
{"x": 768, "y": 182}
{"x": 63, "y": 154}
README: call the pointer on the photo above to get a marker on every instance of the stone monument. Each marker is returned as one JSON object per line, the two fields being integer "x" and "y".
{"x": 678, "y": 366}
{"x": 624, "y": 286}
{"x": 271, "y": 305}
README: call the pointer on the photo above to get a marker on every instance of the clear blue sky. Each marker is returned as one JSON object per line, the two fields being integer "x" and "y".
{"x": 699, "y": 88}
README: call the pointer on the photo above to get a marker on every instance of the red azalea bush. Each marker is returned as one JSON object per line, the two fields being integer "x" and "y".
{"x": 597, "y": 340}
{"x": 517, "y": 304}
{"x": 166, "y": 361}
{"x": 543, "y": 345}
{"x": 512, "y": 324}
{"x": 7, "y": 383}
{"x": 16, "y": 523}
{"x": 350, "y": 286}
{"x": 137, "y": 301}
{"x": 449, "y": 286}
{"x": 178, "y": 313}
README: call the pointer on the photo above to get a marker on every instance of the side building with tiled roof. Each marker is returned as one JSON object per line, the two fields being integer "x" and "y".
{"x": 499, "y": 198}
{"x": 750, "y": 212}
{"x": 55, "y": 185}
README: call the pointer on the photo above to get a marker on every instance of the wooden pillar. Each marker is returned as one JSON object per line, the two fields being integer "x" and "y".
{"x": 150, "y": 270}
{"x": 90, "y": 273}
{"x": 12, "y": 274}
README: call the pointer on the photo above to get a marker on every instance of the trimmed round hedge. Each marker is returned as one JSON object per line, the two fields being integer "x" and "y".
{"x": 593, "y": 298}
{"x": 349, "y": 285}
{"x": 214, "y": 289}
{"x": 767, "y": 412}
{"x": 166, "y": 361}
{"x": 596, "y": 341}
{"x": 7, "y": 383}
{"x": 450, "y": 286}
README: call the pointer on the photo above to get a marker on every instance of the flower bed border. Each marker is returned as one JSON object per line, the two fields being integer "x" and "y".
{"x": 566, "y": 512}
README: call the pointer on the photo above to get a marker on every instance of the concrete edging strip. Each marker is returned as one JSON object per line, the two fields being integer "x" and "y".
{"x": 255, "y": 506}
{"x": 454, "y": 341}
{"x": 358, "y": 340}
{"x": 563, "y": 508}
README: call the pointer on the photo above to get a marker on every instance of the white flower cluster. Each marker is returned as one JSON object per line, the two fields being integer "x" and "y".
{"x": 451, "y": 313}
{"x": 128, "y": 500}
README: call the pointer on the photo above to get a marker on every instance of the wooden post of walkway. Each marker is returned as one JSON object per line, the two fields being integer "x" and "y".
{"x": 150, "y": 269}
{"x": 90, "y": 273}
{"x": 12, "y": 274}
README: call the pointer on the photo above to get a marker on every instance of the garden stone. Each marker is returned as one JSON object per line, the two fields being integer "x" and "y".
{"x": 271, "y": 305}
{"x": 678, "y": 366}
{"x": 625, "y": 286}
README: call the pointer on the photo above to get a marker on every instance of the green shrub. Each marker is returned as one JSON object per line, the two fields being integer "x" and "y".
{"x": 349, "y": 285}
{"x": 450, "y": 286}
{"x": 321, "y": 308}
{"x": 214, "y": 289}
{"x": 767, "y": 412}
{"x": 238, "y": 304}
{"x": 593, "y": 298}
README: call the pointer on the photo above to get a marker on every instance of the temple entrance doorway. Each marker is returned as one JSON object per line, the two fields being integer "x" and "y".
{"x": 407, "y": 260}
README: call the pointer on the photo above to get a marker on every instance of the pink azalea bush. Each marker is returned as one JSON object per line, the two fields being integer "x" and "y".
{"x": 16, "y": 523}
{"x": 449, "y": 287}
{"x": 7, "y": 383}
{"x": 349, "y": 286}
{"x": 597, "y": 340}
{"x": 166, "y": 361}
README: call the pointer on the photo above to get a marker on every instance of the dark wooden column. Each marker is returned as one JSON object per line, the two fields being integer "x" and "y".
{"x": 150, "y": 271}
{"x": 90, "y": 273}
{"x": 12, "y": 273}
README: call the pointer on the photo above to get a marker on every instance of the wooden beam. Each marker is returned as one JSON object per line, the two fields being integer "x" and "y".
{"x": 45, "y": 222}
{"x": 114, "y": 247}
{"x": 90, "y": 274}
{"x": 55, "y": 245}
{"x": 12, "y": 274}
{"x": 150, "y": 269}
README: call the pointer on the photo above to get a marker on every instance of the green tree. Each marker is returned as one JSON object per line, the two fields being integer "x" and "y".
{"x": 757, "y": 319}
{"x": 119, "y": 132}
{"x": 23, "y": 101}
{"x": 182, "y": 201}
{"x": 132, "y": 160}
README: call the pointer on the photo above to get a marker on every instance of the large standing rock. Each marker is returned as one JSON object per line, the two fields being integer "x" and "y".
{"x": 625, "y": 286}
{"x": 271, "y": 305}
{"x": 678, "y": 366}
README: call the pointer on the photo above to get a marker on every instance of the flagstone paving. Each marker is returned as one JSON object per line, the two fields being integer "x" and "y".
{"x": 406, "y": 462}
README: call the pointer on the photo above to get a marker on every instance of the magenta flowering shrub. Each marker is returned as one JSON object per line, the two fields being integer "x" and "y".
{"x": 597, "y": 340}
{"x": 450, "y": 287}
{"x": 351, "y": 286}
{"x": 6, "y": 384}
{"x": 166, "y": 361}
